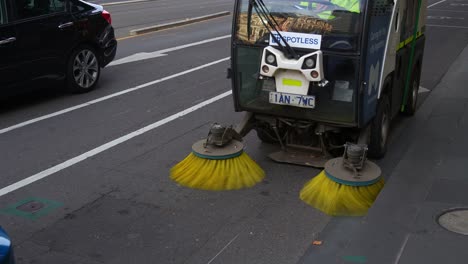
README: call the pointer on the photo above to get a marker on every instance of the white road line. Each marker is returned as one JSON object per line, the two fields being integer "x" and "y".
{"x": 402, "y": 248}
{"x": 446, "y": 26}
{"x": 108, "y": 145}
{"x": 230, "y": 242}
{"x": 447, "y": 10}
{"x": 423, "y": 90}
{"x": 445, "y": 18}
{"x": 123, "y": 2}
{"x": 159, "y": 53}
{"x": 61, "y": 112}
{"x": 436, "y": 3}
{"x": 458, "y": 4}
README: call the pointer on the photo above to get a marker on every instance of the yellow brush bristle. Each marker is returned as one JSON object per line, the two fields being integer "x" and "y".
{"x": 337, "y": 199}
{"x": 216, "y": 175}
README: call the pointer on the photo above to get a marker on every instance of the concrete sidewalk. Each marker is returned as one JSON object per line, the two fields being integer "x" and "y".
{"x": 431, "y": 177}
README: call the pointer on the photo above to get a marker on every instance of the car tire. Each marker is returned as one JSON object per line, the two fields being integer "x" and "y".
{"x": 379, "y": 129}
{"x": 411, "y": 103}
{"x": 83, "y": 70}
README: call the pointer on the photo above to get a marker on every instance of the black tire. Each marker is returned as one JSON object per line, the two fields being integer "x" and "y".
{"x": 83, "y": 72}
{"x": 379, "y": 130}
{"x": 411, "y": 103}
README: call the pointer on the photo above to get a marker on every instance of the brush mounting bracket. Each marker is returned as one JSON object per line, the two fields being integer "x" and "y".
{"x": 354, "y": 157}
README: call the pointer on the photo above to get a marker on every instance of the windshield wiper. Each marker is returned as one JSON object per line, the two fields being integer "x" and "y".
{"x": 269, "y": 18}
{"x": 263, "y": 12}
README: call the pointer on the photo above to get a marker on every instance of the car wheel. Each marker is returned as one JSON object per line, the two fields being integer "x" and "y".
{"x": 83, "y": 70}
{"x": 379, "y": 130}
{"x": 410, "y": 107}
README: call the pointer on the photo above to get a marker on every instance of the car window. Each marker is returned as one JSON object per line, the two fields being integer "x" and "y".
{"x": 78, "y": 6}
{"x": 34, "y": 8}
{"x": 2, "y": 12}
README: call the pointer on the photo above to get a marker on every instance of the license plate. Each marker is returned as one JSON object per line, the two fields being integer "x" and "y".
{"x": 305, "y": 101}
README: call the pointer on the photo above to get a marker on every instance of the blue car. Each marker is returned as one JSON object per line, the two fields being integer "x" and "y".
{"x": 6, "y": 249}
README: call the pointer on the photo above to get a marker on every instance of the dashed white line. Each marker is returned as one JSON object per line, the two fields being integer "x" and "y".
{"x": 108, "y": 145}
{"x": 436, "y": 3}
{"x": 445, "y": 18}
{"x": 446, "y": 26}
{"x": 95, "y": 101}
{"x": 402, "y": 248}
{"x": 123, "y": 2}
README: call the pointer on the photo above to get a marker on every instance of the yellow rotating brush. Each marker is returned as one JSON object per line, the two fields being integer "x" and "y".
{"x": 347, "y": 186}
{"x": 218, "y": 163}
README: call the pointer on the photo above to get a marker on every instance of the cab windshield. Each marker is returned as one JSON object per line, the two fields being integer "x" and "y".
{"x": 337, "y": 21}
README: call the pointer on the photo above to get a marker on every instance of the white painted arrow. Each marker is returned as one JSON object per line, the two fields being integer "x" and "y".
{"x": 423, "y": 90}
{"x": 160, "y": 53}
{"x": 138, "y": 57}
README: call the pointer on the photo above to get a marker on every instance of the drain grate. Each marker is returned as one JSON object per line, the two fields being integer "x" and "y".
{"x": 455, "y": 220}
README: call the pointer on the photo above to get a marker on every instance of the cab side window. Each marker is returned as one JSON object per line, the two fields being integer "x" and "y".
{"x": 33, "y": 8}
{"x": 3, "y": 18}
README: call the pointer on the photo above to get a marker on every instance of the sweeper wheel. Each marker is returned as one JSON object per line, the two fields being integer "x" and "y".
{"x": 380, "y": 128}
{"x": 410, "y": 107}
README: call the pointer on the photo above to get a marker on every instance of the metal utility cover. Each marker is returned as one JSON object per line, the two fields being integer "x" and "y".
{"x": 31, "y": 208}
{"x": 455, "y": 220}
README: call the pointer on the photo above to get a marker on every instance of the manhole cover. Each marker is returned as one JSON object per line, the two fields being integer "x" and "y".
{"x": 455, "y": 221}
{"x": 31, "y": 207}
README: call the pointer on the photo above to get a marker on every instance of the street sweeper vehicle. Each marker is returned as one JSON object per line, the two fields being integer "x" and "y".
{"x": 324, "y": 71}
{"x": 323, "y": 79}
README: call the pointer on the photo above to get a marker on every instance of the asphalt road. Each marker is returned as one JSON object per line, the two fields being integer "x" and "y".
{"x": 105, "y": 184}
{"x": 131, "y": 15}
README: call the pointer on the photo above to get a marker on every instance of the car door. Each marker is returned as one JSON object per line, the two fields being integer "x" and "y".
{"x": 10, "y": 73}
{"x": 45, "y": 33}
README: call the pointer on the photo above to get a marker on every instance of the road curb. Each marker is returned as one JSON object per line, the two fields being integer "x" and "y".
{"x": 177, "y": 23}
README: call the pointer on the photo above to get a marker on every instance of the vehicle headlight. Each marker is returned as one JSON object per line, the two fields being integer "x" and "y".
{"x": 309, "y": 62}
{"x": 270, "y": 58}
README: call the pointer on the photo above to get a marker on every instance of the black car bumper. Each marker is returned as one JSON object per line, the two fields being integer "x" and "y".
{"x": 108, "y": 45}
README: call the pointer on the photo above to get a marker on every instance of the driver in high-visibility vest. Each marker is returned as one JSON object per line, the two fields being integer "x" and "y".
{"x": 349, "y": 5}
